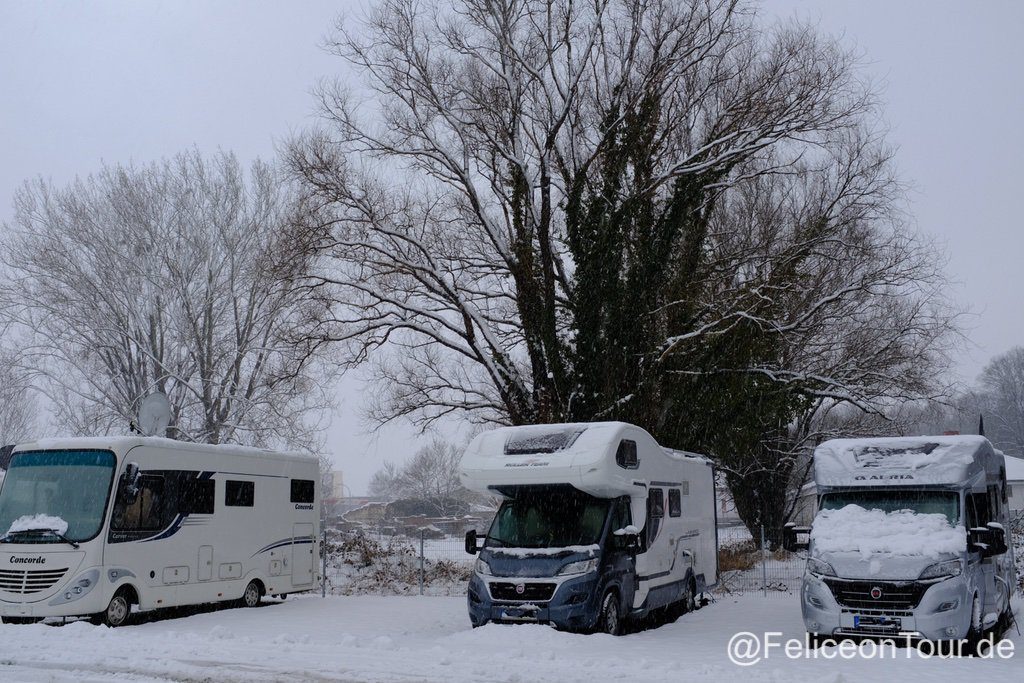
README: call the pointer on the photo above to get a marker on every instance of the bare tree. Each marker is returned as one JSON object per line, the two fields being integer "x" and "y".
{"x": 1001, "y": 400}
{"x": 184, "y": 276}
{"x": 659, "y": 211}
{"x": 535, "y": 218}
{"x": 18, "y": 405}
{"x": 432, "y": 475}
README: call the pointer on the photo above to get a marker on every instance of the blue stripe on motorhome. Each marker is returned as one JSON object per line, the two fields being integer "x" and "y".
{"x": 169, "y": 531}
{"x": 282, "y": 543}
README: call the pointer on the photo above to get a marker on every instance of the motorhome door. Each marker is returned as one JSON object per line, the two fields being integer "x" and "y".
{"x": 302, "y": 554}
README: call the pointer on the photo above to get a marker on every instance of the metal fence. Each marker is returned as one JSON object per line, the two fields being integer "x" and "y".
{"x": 744, "y": 566}
{"x": 377, "y": 561}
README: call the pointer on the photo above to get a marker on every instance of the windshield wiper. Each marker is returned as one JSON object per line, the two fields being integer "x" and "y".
{"x": 52, "y": 532}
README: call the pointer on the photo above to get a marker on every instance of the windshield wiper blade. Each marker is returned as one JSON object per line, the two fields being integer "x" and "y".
{"x": 52, "y": 532}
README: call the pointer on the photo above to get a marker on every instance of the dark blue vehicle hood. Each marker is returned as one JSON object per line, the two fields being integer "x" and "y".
{"x": 534, "y": 562}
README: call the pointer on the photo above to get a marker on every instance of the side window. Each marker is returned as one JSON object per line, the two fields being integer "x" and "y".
{"x": 655, "y": 513}
{"x": 145, "y": 512}
{"x": 239, "y": 493}
{"x": 1002, "y": 483}
{"x": 625, "y": 456}
{"x": 197, "y": 497}
{"x": 675, "y": 503}
{"x": 993, "y": 503}
{"x": 302, "y": 490}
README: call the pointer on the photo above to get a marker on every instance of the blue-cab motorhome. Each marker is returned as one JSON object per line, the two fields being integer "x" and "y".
{"x": 98, "y": 527}
{"x": 598, "y": 525}
{"x": 946, "y": 574}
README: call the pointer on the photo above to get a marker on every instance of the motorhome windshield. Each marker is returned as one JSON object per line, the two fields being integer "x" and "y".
{"x": 922, "y": 502}
{"x": 71, "y": 487}
{"x": 549, "y": 519}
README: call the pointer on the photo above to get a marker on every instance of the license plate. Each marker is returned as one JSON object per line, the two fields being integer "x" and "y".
{"x": 887, "y": 622}
{"x": 519, "y": 615}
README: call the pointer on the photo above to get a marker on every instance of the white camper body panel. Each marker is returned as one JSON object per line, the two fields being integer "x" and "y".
{"x": 678, "y": 544}
{"x": 258, "y": 526}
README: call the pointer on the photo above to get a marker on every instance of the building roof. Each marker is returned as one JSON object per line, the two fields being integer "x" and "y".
{"x": 1014, "y": 468}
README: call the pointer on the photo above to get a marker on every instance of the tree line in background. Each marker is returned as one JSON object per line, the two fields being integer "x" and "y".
{"x": 659, "y": 211}
{"x": 430, "y": 476}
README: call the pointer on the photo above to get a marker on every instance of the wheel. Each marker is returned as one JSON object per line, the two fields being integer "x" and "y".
{"x": 610, "y": 620}
{"x": 117, "y": 613}
{"x": 251, "y": 596}
{"x": 689, "y": 598}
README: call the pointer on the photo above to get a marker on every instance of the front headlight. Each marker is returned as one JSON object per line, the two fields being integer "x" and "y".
{"x": 581, "y": 567}
{"x": 819, "y": 567}
{"x": 481, "y": 567}
{"x": 947, "y": 569}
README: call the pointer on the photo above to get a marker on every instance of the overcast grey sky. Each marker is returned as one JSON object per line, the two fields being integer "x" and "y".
{"x": 86, "y": 82}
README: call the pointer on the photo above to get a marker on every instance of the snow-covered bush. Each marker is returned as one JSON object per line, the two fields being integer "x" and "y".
{"x": 1017, "y": 539}
{"x": 358, "y": 564}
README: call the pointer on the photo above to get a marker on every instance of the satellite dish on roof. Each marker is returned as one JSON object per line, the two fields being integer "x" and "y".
{"x": 154, "y": 414}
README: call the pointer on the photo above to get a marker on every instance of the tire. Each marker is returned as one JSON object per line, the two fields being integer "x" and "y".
{"x": 689, "y": 602}
{"x": 251, "y": 596}
{"x": 118, "y": 612}
{"x": 610, "y": 619}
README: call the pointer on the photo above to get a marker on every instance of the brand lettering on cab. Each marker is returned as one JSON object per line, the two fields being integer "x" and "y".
{"x": 27, "y": 560}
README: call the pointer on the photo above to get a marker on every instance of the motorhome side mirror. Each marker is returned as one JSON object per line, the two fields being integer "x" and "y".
{"x": 988, "y": 541}
{"x": 471, "y": 542}
{"x": 130, "y": 488}
{"x": 629, "y": 537}
{"x": 996, "y": 540}
{"x": 795, "y": 537}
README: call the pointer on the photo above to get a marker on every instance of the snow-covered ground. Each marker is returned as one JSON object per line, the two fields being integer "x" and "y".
{"x": 373, "y": 638}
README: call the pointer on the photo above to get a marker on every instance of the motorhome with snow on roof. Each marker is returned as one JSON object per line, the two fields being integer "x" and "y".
{"x": 98, "y": 526}
{"x": 909, "y": 540}
{"x": 598, "y": 525}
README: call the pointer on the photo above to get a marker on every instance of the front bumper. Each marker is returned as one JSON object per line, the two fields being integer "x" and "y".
{"x": 573, "y": 604}
{"x": 82, "y": 594}
{"x": 825, "y": 616}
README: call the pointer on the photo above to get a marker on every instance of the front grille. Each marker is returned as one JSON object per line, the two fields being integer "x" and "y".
{"x": 26, "y": 581}
{"x": 896, "y": 595}
{"x": 541, "y": 592}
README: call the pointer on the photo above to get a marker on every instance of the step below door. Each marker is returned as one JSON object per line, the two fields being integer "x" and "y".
{"x": 302, "y": 554}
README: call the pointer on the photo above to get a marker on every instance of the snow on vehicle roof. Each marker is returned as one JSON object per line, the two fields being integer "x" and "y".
{"x": 912, "y": 459}
{"x": 123, "y": 443}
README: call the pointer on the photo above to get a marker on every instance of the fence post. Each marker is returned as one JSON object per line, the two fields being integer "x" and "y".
{"x": 421, "y": 561}
{"x": 323, "y": 563}
{"x": 764, "y": 565}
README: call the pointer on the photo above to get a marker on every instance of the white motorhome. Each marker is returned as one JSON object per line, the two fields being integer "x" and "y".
{"x": 909, "y": 539}
{"x": 598, "y": 525}
{"x": 95, "y": 526}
